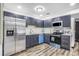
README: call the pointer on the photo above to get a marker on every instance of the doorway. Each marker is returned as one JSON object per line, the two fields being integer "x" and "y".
{"x": 77, "y": 32}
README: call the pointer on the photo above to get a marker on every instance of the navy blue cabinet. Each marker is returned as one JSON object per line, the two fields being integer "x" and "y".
{"x": 34, "y": 22}
{"x": 65, "y": 41}
{"x": 34, "y": 40}
{"x": 66, "y": 20}
{"x": 47, "y": 23}
{"x": 39, "y": 23}
{"x": 28, "y": 43}
{"x": 31, "y": 40}
{"x": 47, "y": 38}
{"x": 30, "y": 21}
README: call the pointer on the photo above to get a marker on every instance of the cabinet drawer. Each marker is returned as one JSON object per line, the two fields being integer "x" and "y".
{"x": 66, "y": 46}
{"x": 65, "y": 43}
{"x": 65, "y": 40}
{"x": 65, "y": 37}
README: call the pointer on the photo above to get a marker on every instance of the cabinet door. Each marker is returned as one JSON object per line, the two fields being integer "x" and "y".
{"x": 66, "y": 21}
{"x": 47, "y": 23}
{"x": 31, "y": 40}
{"x": 65, "y": 42}
{"x": 28, "y": 42}
{"x": 39, "y": 23}
{"x": 28, "y": 21}
{"x": 36, "y": 42}
{"x": 47, "y": 38}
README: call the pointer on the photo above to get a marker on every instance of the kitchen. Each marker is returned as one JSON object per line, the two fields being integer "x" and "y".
{"x": 36, "y": 29}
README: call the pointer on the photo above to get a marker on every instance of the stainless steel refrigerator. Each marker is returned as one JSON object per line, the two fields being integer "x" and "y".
{"x": 14, "y": 35}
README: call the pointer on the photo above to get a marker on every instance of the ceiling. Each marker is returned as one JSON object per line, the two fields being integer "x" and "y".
{"x": 51, "y": 9}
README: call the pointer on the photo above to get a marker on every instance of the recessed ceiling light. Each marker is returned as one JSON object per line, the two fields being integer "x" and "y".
{"x": 39, "y": 8}
{"x": 72, "y": 4}
{"x": 19, "y": 7}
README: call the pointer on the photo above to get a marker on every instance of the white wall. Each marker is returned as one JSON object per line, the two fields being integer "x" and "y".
{"x": 1, "y": 27}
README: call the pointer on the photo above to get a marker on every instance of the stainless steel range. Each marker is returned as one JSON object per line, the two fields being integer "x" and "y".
{"x": 56, "y": 37}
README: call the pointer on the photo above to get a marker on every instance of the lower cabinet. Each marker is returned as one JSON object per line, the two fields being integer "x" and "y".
{"x": 47, "y": 38}
{"x": 28, "y": 41}
{"x": 31, "y": 40}
{"x": 65, "y": 41}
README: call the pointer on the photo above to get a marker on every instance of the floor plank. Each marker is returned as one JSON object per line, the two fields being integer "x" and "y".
{"x": 47, "y": 50}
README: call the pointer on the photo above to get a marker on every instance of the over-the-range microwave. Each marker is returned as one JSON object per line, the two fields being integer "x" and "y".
{"x": 57, "y": 24}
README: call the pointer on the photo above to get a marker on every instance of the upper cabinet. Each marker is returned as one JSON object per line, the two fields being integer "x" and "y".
{"x": 34, "y": 22}
{"x": 66, "y": 20}
{"x": 39, "y": 23}
{"x": 56, "y": 19}
{"x": 47, "y": 23}
{"x": 30, "y": 21}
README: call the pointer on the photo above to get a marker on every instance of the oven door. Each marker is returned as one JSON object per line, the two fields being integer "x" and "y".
{"x": 55, "y": 39}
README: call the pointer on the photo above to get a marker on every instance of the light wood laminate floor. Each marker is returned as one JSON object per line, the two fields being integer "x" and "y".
{"x": 47, "y": 50}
